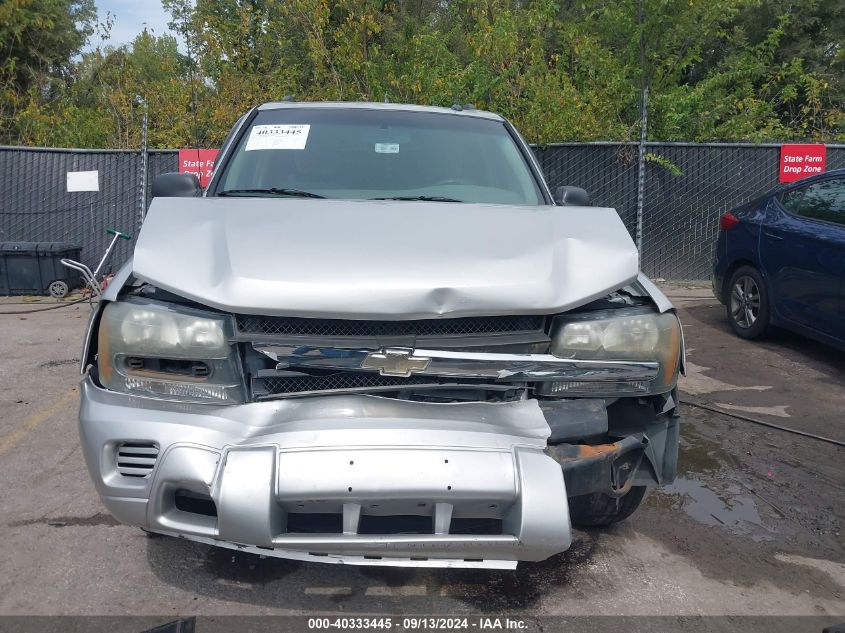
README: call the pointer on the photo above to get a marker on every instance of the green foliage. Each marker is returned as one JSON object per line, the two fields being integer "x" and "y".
{"x": 664, "y": 162}
{"x": 38, "y": 39}
{"x": 562, "y": 70}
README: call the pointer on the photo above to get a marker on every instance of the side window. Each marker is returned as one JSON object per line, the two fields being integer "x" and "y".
{"x": 792, "y": 200}
{"x": 820, "y": 201}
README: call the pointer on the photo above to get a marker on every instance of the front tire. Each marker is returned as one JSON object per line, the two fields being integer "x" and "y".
{"x": 599, "y": 509}
{"x": 748, "y": 303}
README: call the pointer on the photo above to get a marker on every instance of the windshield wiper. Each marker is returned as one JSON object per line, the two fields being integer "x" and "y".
{"x": 279, "y": 191}
{"x": 420, "y": 198}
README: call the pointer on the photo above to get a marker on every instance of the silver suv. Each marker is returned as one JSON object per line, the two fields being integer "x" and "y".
{"x": 378, "y": 338}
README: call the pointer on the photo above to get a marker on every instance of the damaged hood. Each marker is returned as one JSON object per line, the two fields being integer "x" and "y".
{"x": 382, "y": 259}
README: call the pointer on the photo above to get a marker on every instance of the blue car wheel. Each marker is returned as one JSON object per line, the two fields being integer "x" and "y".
{"x": 748, "y": 303}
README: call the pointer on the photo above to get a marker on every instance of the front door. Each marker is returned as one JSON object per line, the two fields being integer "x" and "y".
{"x": 802, "y": 249}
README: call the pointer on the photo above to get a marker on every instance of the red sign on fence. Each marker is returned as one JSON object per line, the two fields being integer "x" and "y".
{"x": 800, "y": 161}
{"x": 199, "y": 162}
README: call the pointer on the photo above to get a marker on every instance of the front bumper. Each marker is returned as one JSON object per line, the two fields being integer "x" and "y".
{"x": 484, "y": 485}
{"x": 266, "y": 465}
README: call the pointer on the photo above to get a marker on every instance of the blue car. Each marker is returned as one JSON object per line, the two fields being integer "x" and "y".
{"x": 780, "y": 261}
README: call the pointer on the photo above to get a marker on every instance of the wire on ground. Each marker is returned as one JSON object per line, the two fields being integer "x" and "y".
{"x": 771, "y": 425}
{"x": 55, "y": 307}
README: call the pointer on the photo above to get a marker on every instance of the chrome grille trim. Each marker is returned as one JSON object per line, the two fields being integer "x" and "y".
{"x": 461, "y": 365}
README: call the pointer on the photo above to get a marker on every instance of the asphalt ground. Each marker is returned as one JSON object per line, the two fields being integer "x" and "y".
{"x": 752, "y": 526}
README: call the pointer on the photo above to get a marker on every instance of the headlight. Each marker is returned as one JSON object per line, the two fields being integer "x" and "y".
{"x": 166, "y": 350}
{"x": 617, "y": 335}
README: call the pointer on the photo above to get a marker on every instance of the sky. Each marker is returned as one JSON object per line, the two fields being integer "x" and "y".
{"x": 130, "y": 17}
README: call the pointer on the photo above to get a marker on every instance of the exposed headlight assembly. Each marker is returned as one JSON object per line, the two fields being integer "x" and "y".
{"x": 168, "y": 351}
{"x": 635, "y": 334}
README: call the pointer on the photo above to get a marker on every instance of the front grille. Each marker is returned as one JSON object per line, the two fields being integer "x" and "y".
{"x": 463, "y": 326}
{"x": 136, "y": 459}
{"x": 351, "y": 380}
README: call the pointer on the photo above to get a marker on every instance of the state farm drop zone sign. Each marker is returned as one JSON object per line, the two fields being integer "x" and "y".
{"x": 801, "y": 161}
{"x": 199, "y": 162}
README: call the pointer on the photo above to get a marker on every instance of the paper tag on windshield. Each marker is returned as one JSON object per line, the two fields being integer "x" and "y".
{"x": 277, "y": 137}
{"x": 387, "y": 148}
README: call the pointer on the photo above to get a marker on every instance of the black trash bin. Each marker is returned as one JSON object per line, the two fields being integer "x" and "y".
{"x": 35, "y": 268}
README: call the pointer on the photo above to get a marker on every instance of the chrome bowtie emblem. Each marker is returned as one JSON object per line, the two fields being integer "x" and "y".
{"x": 395, "y": 361}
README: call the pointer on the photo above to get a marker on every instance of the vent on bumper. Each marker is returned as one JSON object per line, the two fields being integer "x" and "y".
{"x": 136, "y": 459}
{"x": 194, "y": 503}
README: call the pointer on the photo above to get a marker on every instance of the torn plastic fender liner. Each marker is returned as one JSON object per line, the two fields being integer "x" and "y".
{"x": 573, "y": 420}
{"x": 588, "y": 468}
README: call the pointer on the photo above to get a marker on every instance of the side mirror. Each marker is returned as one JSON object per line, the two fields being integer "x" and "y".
{"x": 176, "y": 186}
{"x": 572, "y": 197}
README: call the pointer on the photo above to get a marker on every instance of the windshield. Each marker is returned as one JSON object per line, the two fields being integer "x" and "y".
{"x": 379, "y": 154}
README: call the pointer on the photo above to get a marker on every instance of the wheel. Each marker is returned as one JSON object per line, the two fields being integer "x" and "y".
{"x": 58, "y": 289}
{"x": 599, "y": 509}
{"x": 748, "y": 303}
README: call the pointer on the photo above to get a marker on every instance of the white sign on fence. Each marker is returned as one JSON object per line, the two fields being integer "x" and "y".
{"x": 83, "y": 181}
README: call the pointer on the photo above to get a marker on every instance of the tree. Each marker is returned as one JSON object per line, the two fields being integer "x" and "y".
{"x": 562, "y": 70}
{"x": 104, "y": 105}
{"x": 38, "y": 39}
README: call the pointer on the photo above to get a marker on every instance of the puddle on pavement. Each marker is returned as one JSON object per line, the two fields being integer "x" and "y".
{"x": 729, "y": 508}
{"x": 700, "y": 455}
{"x": 708, "y": 489}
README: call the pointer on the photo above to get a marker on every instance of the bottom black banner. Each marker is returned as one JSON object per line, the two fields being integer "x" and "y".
{"x": 422, "y": 623}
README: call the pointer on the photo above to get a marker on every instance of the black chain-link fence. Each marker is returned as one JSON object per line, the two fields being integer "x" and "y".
{"x": 36, "y": 206}
{"x": 686, "y": 188}
{"x": 681, "y": 211}
{"x": 608, "y": 171}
